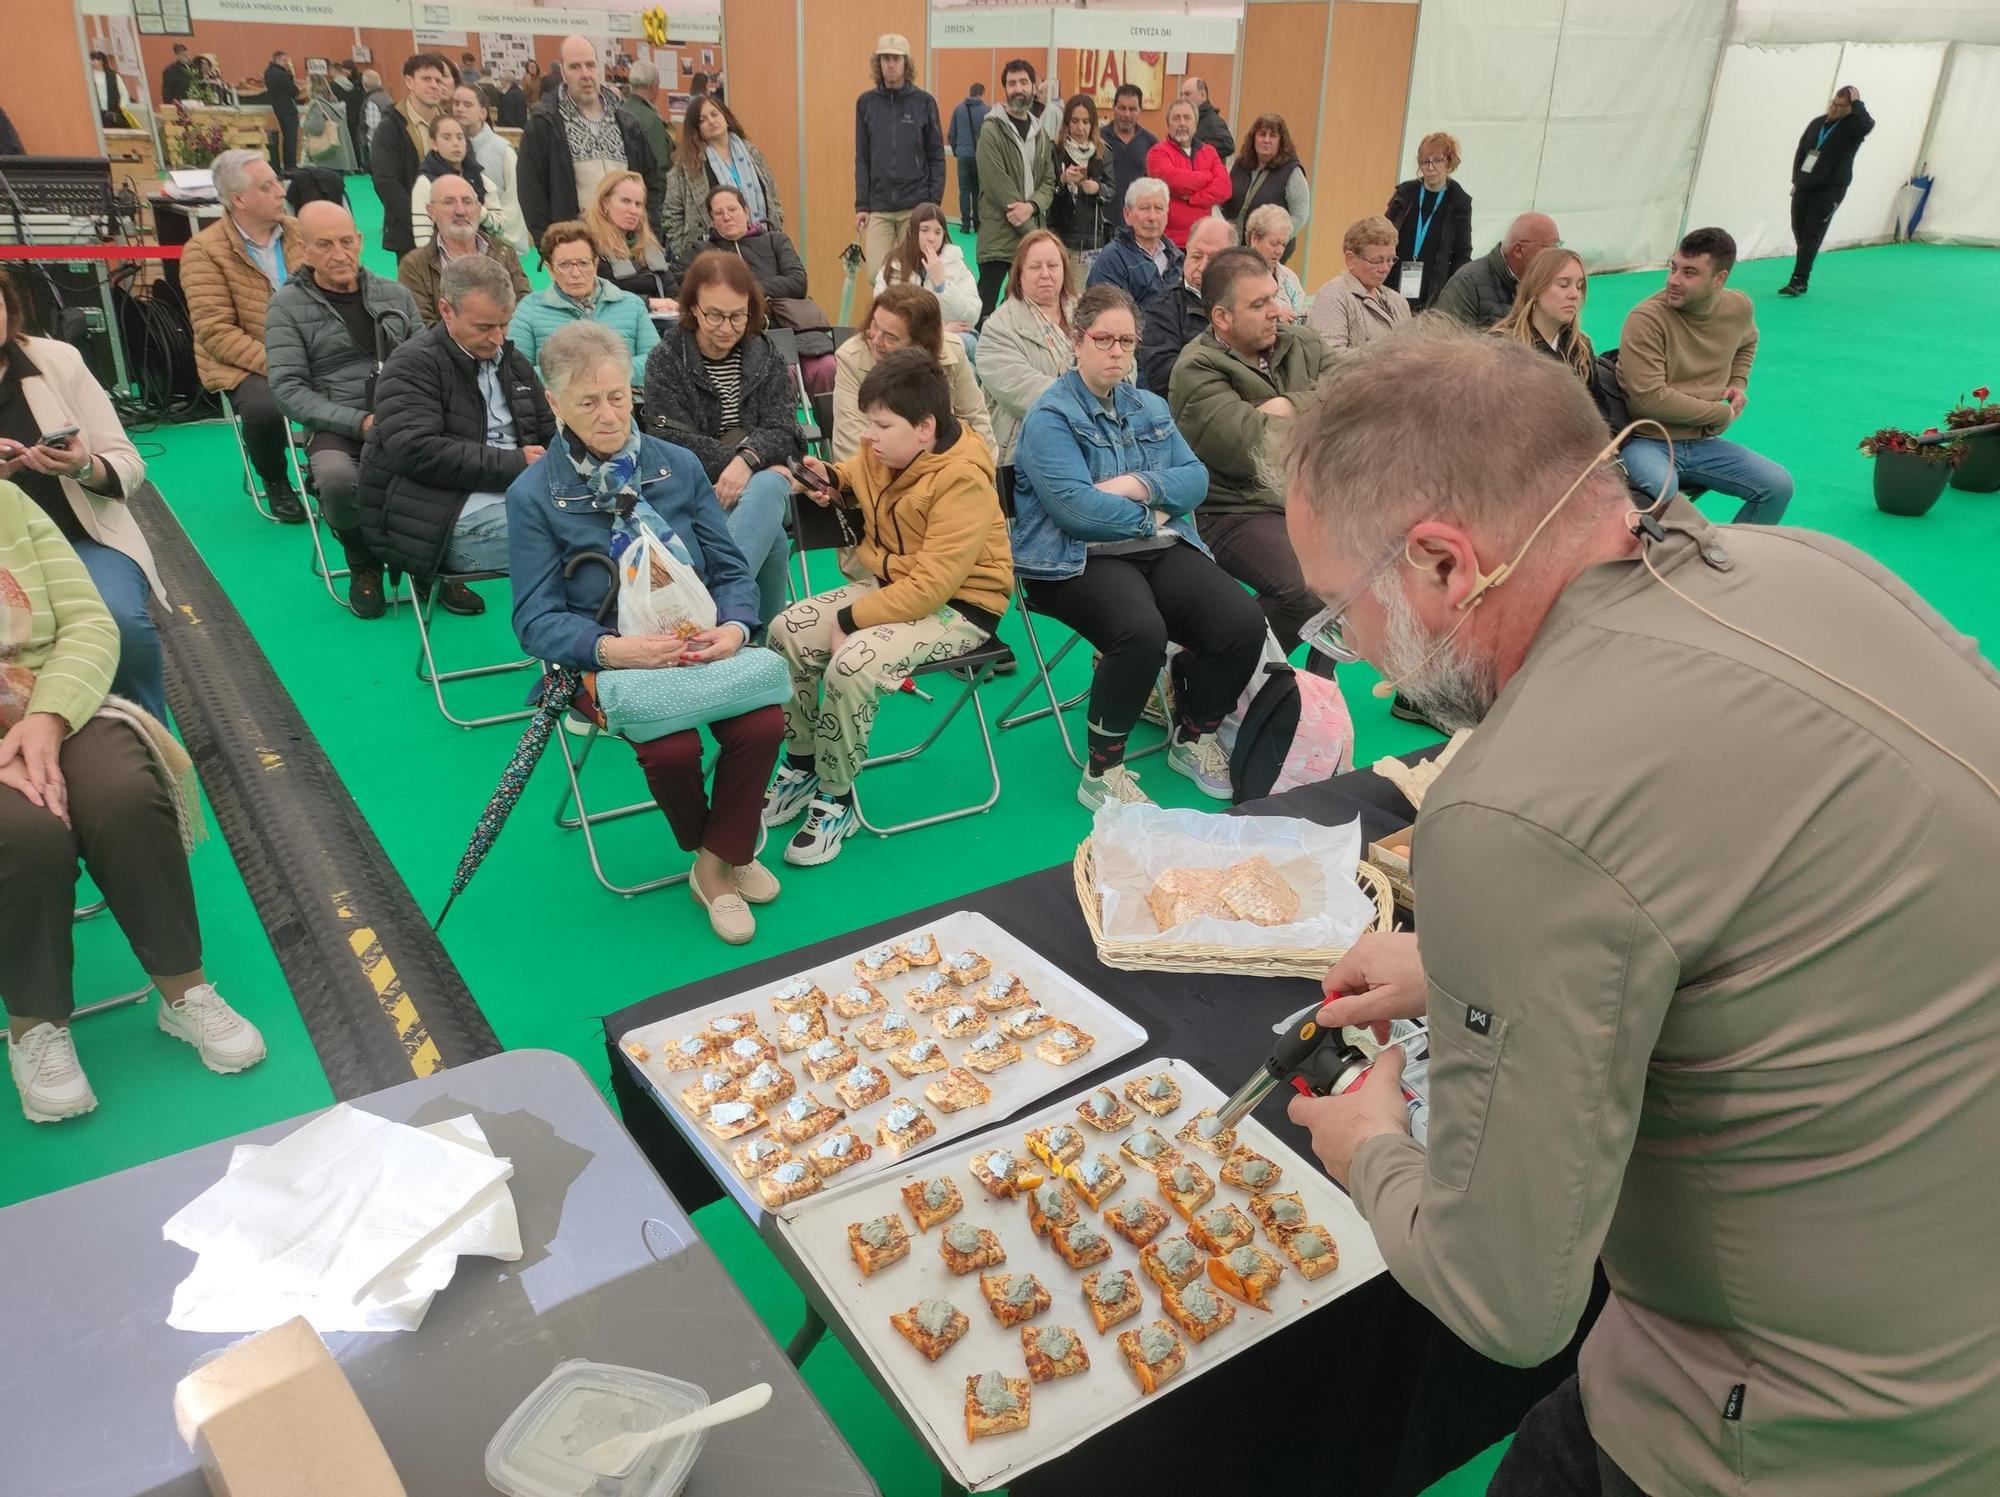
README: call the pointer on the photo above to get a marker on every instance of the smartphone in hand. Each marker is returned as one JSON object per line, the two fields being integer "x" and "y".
{"x": 59, "y": 439}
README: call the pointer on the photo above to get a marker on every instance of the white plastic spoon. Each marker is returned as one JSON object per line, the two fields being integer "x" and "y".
{"x": 620, "y": 1453}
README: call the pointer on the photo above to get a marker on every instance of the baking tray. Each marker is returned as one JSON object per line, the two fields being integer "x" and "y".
{"x": 1014, "y": 1087}
{"x": 1066, "y": 1411}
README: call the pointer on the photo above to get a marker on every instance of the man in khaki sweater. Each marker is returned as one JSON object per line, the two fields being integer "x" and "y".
{"x": 1684, "y": 361}
{"x": 1705, "y": 940}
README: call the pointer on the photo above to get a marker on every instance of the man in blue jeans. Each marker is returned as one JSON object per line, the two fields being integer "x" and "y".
{"x": 1684, "y": 361}
{"x": 965, "y": 123}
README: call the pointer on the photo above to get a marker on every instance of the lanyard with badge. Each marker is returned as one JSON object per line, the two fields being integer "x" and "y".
{"x": 1412, "y": 283}
{"x": 1812, "y": 157}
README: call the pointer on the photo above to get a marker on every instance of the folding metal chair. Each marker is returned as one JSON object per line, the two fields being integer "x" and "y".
{"x": 251, "y": 485}
{"x": 427, "y": 668}
{"x": 117, "y": 1000}
{"x": 301, "y": 465}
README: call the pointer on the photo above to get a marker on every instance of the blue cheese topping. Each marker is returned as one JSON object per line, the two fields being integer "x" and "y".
{"x": 1285, "y": 1211}
{"x": 823, "y": 1050}
{"x": 936, "y": 1193}
{"x": 762, "y": 1148}
{"x": 1245, "y": 1260}
{"x": 1200, "y": 1302}
{"x": 1110, "y": 1289}
{"x": 923, "y": 1049}
{"x": 1083, "y": 1237}
{"x": 987, "y": 1042}
{"x": 877, "y": 956}
{"x": 728, "y": 1114}
{"x": 725, "y": 1025}
{"x": 1064, "y": 1039}
{"x": 1049, "y": 1197}
{"x": 1254, "y": 1172}
{"x": 929, "y": 984}
{"x": 692, "y": 1044}
{"x": 1183, "y": 1178}
{"x": 877, "y": 1233}
{"x": 901, "y": 1117}
{"x": 993, "y": 1394}
{"x": 1136, "y": 1212}
{"x": 765, "y": 1075}
{"x": 1218, "y": 1223}
{"x": 1208, "y": 1126}
{"x": 789, "y": 1173}
{"x": 1147, "y": 1145}
{"x": 794, "y": 990}
{"x": 1103, "y": 1104}
{"x": 1031, "y": 1016}
{"x": 1309, "y": 1245}
{"x": 1178, "y": 1255}
{"x": 714, "y": 1081}
{"x": 799, "y": 1109}
{"x": 1090, "y": 1172}
{"x": 745, "y": 1047}
{"x": 933, "y": 1315}
{"x": 961, "y": 961}
{"x": 1055, "y": 1343}
{"x": 798, "y": 1023}
{"x": 958, "y": 1014}
{"x": 863, "y": 1077}
{"x": 856, "y": 996}
{"x": 963, "y": 1237}
{"x": 1159, "y": 1087}
{"x": 1155, "y": 1345}
{"x": 1060, "y": 1136}
{"x": 837, "y": 1147}
{"x": 1019, "y": 1288}
{"x": 892, "y": 1021}
{"x": 1000, "y": 1163}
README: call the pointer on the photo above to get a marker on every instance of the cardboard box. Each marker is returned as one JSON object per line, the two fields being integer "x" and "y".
{"x": 1392, "y": 856}
{"x": 274, "y": 1416}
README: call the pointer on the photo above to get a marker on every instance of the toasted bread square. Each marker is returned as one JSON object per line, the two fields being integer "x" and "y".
{"x": 956, "y": 1090}
{"x": 1096, "y": 1179}
{"x": 1280, "y": 1213}
{"x": 1051, "y": 1204}
{"x": 878, "y": 1242}
{"x": 1248, "y": 1273}
{"x": 931, "y": 1326}
{"x": 1002, "y": 993}
{"x": 1297, "y": 1245}
{"x": 929, "y": 993}
{"x": 1219, "y": 1228}
{"x": 933, "y": 1201}
{"x": 1063, "y": 1044}
{"x": 805, "y": 1116}
{"x": 919, "y": 1058}
{"x": 796, "y": 1031}
{"x": 967, "y": 1249}
{"x": 1150, "y": 1151}
{"x": 966, "y": 967}
{"x": 1172, "y": 1262}
{"x": 904, "y": 1127}
{"x": 790, "y": 1181}
{"x": 861, "y": 1085}
{"x": 990, "y": 1053}
{"x": 839, "y": 1151}
{"x": 1246, "y": 1169}
{"x": 878, "y": 963}
{"x": 885, "y": 1031}
{"x": 1154, "y": 1361}
{"x": 995, "y": 1405}
{"x": 1186, "y": 1187}
{"x": 758, "y": 1156}
{"x": 960, "y": 1021}
{"x": 798, "y": 996}
{"x": 1137, "y": 1220}
{"x": 1026, "y": 1023}
{"x": 1055, "y": 1145}
{"x": 1158, "y": 1094}
{"x": 727, "y": 1120}
{"x": 637, "y": 1051}
{"x": 768, "y": 1085}
{"x": 1198, "y": 1310}
{"x": 1014, "y": 1297}
{"x": 691, "y": 1052}
{"x": 1004, "y": 1173}
{"x": 1109, "y": 1305}
{"x": 1081, "y": 1245}
{"x": 827, "y": 1058}
{"x": 745, "y": 1053}
{"x": 1217, "y": 1140}
{"x": 723, "y": 1028}
{"x": 1103, "y": 1111}
{"x": 1043, "y": 1365}
{"x": 860, "y": 999}
{"x": 709, "y": 1088}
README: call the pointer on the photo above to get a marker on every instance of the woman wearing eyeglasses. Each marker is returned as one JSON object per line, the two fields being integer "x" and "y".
{"x": 1355, "y": 307}
{"x": 719, "y": 389}
{"x": 1105, "y": 489}
{"x": 580, "y": 294}
{"x": 1433, "y": 219}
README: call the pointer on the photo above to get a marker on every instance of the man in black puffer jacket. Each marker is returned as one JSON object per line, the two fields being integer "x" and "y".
{"x": 459, "y": 415}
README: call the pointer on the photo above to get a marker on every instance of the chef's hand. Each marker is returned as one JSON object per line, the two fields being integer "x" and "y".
{"x": 1381, "y": 978}
{"x": 1341, "y": 1125}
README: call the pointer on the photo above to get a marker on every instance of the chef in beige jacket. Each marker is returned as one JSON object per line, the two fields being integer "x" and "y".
{"x": 1707, "y": 943}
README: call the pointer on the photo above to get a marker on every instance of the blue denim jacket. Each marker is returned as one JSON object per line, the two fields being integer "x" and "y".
{"x": 552, "y": 516}
{"x": 1068, "y": 443}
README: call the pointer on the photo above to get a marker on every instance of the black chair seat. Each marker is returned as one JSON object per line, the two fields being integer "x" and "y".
{"x": 993, "y": 652}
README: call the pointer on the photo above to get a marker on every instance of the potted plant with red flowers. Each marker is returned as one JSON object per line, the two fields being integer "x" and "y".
{"x": 1911, "y": 468}
{"x": 1976, "y": 424}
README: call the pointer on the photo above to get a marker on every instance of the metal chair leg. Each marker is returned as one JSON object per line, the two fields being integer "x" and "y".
{"x": 969, "y": 696}
{"x": 116, "y": 1000}
{"x": 428, "y": 672}
{"x": 250, "y": 484}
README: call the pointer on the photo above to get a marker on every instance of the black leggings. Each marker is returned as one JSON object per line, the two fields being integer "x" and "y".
{"x": 992, "y": 282}
{"x": 1130, "y": 606}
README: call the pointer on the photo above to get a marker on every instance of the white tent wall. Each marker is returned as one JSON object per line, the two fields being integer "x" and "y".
{"x": 1778, "y": 22}
{"x": 1587, "y": 110}
{"x": 1763, "y": 98}
{"x": 1898, "y": 82}
{"x": 1965, "y": 202}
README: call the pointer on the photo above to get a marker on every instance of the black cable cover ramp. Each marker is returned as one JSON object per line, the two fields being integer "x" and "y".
{"x": 380, "y": 998}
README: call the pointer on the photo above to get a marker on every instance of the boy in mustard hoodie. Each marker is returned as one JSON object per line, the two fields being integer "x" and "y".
{"x": 934, "y": 544}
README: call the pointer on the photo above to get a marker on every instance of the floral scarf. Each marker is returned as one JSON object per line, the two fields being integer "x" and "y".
{"x": 740, "y": 172}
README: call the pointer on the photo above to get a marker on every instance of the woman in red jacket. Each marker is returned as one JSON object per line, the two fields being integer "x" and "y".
{"x": 1196, "y": 179}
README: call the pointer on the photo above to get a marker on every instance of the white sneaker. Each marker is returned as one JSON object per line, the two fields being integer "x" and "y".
{"x": 788, "y": 795}
{"x": 226, "y": 1041}
{"x": 1203, "y": 761}
{"x": 1116, "y": 783}
{"x": 827, "y": 825}
{"x": 46, "y": 1073}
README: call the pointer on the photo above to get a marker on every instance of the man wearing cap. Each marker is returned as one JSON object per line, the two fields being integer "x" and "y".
{"x": 898, "y": 150}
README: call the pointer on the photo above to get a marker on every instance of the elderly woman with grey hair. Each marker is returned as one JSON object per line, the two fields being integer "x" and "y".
{"x": 1268, "y": 230}
{"x": 601, "y": 482}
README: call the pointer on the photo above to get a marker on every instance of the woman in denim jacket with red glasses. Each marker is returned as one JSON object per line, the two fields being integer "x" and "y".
{"x": 1105, "y": 489}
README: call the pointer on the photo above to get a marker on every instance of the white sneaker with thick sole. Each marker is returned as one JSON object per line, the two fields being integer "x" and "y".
{"x": 226, "y": 1041}
{"x": 828, "y": 824}
{"x": 46, "y": 1073}
{"x": 1203, "y": 761}
{"x": 789, "y": 794}
{"x": 1117, "y": 783}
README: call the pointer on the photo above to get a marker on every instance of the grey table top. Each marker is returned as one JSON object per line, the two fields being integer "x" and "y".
{"x": 612, "y": 1270}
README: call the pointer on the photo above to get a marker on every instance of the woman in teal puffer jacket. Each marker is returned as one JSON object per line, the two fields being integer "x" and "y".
{"x": 581, "y": 295}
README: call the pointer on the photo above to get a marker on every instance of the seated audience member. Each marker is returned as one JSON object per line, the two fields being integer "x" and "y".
{"x": 1178, "y": 316}
{"x": 228, "y": 272}
{"x": 1684, "y": 361}
{"x": 81, "y": 485}
{"x": 458, "y": 416}
{"x": 498, "y": 162}
{"x": 92, "y": 779}
{"x": 1140, "y": 260}
{"x": 1237, "y": 386}
{"x": 1197, "y": 181}
{"x": 780, "y": 274}
{"x": 717, "y": 387}
{"x": 1433, "y": 219}
{"x": 579, "y": 294}
{"x": 1481, "y": 292}
{"x": 450, "y": 155}
{"x": 714, "y": 152}
{"x": 454, "y": 214}
{"x": 1547, "y": 315}
{"x": 587, "y": 486}
{"x": 330, "y": 329}
{"x": 629, "y": 255}
{"x": 926, "y": 257}
{"x": 1026, "y": 345}
{"x": 1269, "y": 232}
{"x": 935, "y": 578}
{"x": 904, "y": 316}
{"x": 1105, "y": 489}
{"x": 1355, "y": 308}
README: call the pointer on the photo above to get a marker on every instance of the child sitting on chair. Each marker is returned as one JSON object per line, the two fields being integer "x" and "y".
{"x": 939, "y": 574}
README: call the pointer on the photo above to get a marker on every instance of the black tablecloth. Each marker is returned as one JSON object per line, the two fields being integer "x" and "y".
{"x": 1392, "y": 1399}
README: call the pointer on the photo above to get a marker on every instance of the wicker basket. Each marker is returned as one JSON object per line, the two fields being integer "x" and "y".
{"x": 1186, "y": 956}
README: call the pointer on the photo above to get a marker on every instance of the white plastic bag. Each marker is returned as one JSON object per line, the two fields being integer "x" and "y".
{"x": 659, "y": 592}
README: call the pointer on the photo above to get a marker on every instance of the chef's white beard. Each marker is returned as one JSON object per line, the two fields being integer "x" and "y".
{"x": 1453, "y": 688}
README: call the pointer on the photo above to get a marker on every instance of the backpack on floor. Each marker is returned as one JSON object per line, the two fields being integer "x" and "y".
{"x": 1290, "y": 728}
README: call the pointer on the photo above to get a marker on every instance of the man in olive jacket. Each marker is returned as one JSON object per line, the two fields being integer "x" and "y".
{"x": 1017, "y": 180}
{"x": 1244, "y": 380}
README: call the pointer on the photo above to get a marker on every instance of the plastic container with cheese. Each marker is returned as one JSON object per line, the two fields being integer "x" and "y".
{"x": 538, "y": 1451}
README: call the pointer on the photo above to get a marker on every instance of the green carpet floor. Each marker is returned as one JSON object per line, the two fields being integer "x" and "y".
{"x": 1832, "y": 367}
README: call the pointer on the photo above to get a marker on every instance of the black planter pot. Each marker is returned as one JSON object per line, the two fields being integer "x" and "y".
{"x": 1906, "y": 484}
{"x": 1980, "y": 472}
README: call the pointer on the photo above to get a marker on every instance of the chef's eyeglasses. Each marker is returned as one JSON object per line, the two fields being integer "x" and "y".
{"x": 1325, "y": 631}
